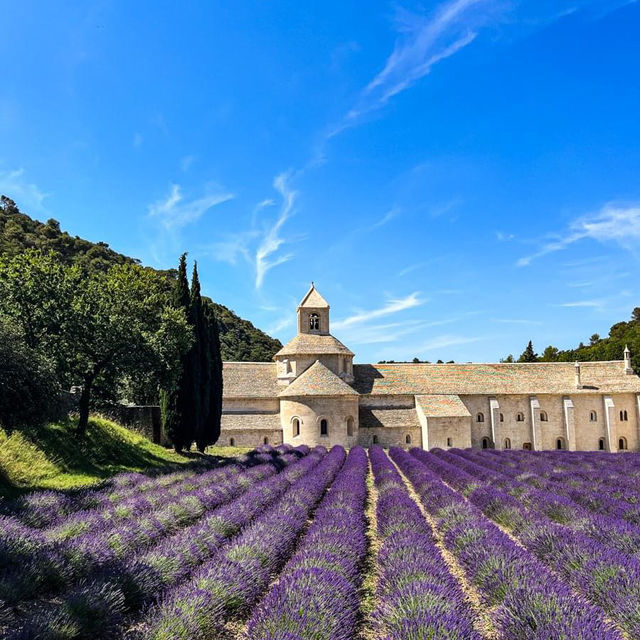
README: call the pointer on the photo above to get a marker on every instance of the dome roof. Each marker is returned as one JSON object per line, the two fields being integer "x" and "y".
{"x": 313, "y": 344}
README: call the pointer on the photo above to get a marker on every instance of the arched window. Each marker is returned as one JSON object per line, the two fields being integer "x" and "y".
{"x": 520, "y": 417}
{"x": 265, "y": 440}
{"x": 601, "y": 444}
{"x": 507, "y": 443}
{"x": 623, "y": 415}
{"x": 593, "y": 416}
{"x": 349, "y": 426}
{"x": 407, "y": 439}
{"x": 543, "y": 416}
{"x": 622, "y": 444}
{"x": 324, "y": 427}
{"x": 485, "y": 443}
{"x": 480, "y": 417}
{"x": 296, "y": 427}
{"x": 374, "y": 440}
{"x": 502, "y": 417}
{"x": 314, "y": 322}
{"x": 560, "y": 443}
{"x": 232, "y": 442}
{"x": 449, "y": 442}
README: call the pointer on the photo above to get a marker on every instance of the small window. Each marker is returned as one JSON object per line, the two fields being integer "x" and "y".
{"x": 449, "y": 442}
{"x": 374, "y": 440}
{"x": 544, "y": 417}
{"x": 349, "y": 426}
{"x": 622, "y": 444}
{"x": 480, "y": 417}
{"x": 507, "y": 443}
{"x": 232, "y": 442}
{"x": 526, "y": 446}
{"x": 520, "y": 417}
{"x": 407, "y": 439}
{"x": 601, "y": 444}
{"x": 265, "y": 441}
{"x": 560, "y": 443}
{"x": 502, "y": 417}
{"x": 485, "y": 443}
{"x": 593, "y": 416}
{"x": 623, "y": 415}
{"x": 296, "y": 427}
{"x": 324, "y": 427}
{"x": 314, "y": 322}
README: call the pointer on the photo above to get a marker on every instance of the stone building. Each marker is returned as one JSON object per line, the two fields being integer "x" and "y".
{"x": 313, "y": 394}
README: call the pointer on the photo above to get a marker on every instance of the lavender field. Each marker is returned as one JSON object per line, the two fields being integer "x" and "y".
{"x": 307, "y": 544}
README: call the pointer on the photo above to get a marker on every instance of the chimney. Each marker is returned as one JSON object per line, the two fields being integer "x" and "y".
{"x": 627, "y": 361}
{"x": 578, "y": 381}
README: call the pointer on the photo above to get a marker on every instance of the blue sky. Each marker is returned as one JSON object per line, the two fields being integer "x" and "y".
{"x": 457, "y": 177}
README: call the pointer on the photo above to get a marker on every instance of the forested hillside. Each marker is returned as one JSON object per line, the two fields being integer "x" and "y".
{"x": 239, "y": 339}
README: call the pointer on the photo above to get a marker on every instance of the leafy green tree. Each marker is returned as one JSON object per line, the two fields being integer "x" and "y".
{"x": 594, "y": 339}
{"x": 92, "y": 325}
{"x": 509, "y": 358}
{"x": 550, "y": 354}
{"x": 528, "y": 355}
{"x": 30, "y": 389}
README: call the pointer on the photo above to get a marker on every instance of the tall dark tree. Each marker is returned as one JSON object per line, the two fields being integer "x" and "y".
{"x": 528, "y": 355}
{"x": 215, "y": 359}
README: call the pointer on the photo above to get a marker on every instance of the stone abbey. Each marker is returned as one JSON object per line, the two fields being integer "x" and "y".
{"x": 314, "y": 394}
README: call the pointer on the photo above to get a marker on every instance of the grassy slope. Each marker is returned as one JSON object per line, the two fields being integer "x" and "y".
{"x": 51, "y": 457}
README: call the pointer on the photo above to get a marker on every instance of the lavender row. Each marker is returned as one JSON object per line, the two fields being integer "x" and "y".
{"x": 47, "y": 508}
{"x": 316, "y": 596}
{"x": 418, "y": 596}
{"x": 231, "y": 582}
{"x": 605, "y": 576}
{"x": 33, "y": 564}
{"x": 607, "y": 529}
{"x": 125, "y": 587}
{"x": 530, "y": 602}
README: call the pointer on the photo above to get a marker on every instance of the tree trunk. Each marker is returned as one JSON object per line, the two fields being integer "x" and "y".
{"x": 83, "y": 406}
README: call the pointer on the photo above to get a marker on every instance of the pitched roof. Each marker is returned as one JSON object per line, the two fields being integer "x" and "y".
{"x": 317, "y": 380}
{"x": 251, "y": 421}
{"x": 250, "y": 380}
{"x": 496, "y": 378}
{"x": 442, "y": 406}
{"x": 387, "y": 417}
{"x": 313, "y": 344}
{"x": 313, "y": 299}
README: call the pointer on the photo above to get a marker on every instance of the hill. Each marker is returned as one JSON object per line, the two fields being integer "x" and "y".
{"x": 240, "y": 340}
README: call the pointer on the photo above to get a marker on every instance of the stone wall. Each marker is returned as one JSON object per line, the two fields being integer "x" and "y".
{"x": 145, "y": 420}
{"x": 249, "y": 437}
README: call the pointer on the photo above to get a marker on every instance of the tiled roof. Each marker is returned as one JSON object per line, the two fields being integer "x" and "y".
{"x": 317, "y": 380}
{"x": 313, "y": 300}
{"x": 442, "y": 406}
{"x": 387, "y": 417}
{"x": 250, "y": 380}
{"x": 501, "y": 378}
{"x": 313, "y": 344}
{"x": 244, "y": 421}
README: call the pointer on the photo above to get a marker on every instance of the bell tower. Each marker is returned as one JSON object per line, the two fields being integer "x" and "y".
{"x": 313, "y": 314}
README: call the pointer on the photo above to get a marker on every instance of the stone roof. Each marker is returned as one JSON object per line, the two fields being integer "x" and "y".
{"x": 317, "y": 380}
{"x": 497, "y": 378}
{"x": 442, "y": 406}
{"x": 251, "y": 421}
{"x": 313, "y": 344}
{"x": 387, "y": 417}
{"x": 313, "y": 299}
{"x": 250, "y": 380}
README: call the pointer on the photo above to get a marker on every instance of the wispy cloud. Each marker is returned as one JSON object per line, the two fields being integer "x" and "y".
{"x": 422, "y": 42}
{"x": 446, "y": 340}
{"x": 27, "y": 195}
{"x": 588, "y": 304}
{"x": 504, "y": 237}
{"x": 612, "y": 224}
{"x": 267, "y": 255}
{"x": 387, "y": 217}
{"x": 175, "y": 212}
{"x": 392, "y": 306}
{"x": 516, "y": 321}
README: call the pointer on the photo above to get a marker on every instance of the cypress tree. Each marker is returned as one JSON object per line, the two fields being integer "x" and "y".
{"x": 200, "y": 364}
{"x": 215, "y": 359}
{"x": 528, "y": 355}
{"x": 175, "y": 401}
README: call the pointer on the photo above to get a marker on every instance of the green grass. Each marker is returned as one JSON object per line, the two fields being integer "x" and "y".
{"x": 51, "y": 457}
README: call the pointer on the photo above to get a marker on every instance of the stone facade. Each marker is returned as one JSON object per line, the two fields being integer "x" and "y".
{"x": 314, "y": 394}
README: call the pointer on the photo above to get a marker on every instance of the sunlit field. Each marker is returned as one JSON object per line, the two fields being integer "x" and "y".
{"x": 307, "y": 544}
